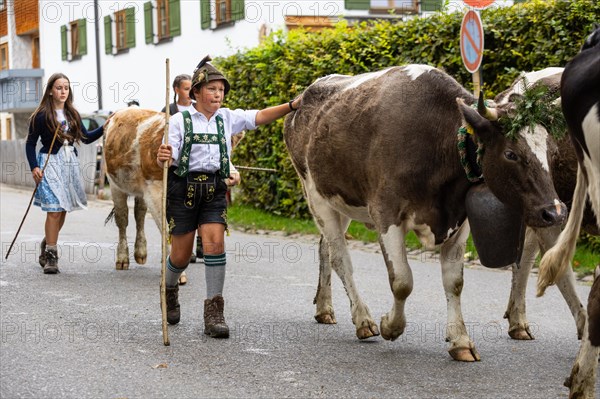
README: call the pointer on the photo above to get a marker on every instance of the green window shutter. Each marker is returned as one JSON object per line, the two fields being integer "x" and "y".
{"x": 237, "y": 10}
{"x": 174, "y": 18}
{"x": 205, "y": 14}
{"x": 81, "y": 29}
{"x": 431, "y": 5}
{"x": 357, "y": 4}
{"x": 148, "y": 22}
{"x": 519, "y": 1}
{"x": 130, "y": 26}
{"x": 63, "y": 42}
{"x": 108, "y": 35}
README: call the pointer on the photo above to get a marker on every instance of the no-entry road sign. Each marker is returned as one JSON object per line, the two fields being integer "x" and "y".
{"x": 479, "y": 4}
{"x": 471, "y": 41}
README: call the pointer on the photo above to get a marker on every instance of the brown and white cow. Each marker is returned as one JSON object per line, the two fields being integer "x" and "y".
{"x": 381, "y": 148}
{"x": 132, "y": 138}
{"x": 564, "y": 171}
{"x": 580, "y": 98}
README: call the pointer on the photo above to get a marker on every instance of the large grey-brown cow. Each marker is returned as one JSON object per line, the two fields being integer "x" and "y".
{"x": 580, "y": 94}
{"x": 381, "y": 148}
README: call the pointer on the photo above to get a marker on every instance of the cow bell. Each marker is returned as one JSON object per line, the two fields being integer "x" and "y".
{"x": 498, "y": 231}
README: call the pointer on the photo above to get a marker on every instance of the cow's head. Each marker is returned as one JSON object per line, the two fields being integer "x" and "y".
{"x": 517, "y": 168}
{"x": 593, "y": 39}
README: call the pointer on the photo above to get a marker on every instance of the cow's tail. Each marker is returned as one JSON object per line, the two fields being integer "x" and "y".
{"x": 110, "y": 216}
{"x": 558, "y": 259}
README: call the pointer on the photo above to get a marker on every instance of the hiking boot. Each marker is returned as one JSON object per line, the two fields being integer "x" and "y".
{"x": 51, "y": 266}
{"x": 42, "y": 259}
{"x": 173, "y": 313}
{"x": 214, "y": 321}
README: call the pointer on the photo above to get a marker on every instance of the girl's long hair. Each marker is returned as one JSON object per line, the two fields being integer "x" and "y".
{"x": 177, "y": 82}
{"x": 47, "y": 108}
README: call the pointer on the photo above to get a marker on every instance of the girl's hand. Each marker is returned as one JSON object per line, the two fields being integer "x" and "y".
{"x": 107, "y": 121}
{"x": 234, "y": 179}
{"x": 38, "y": 175}
{"x": 164, "y": 154}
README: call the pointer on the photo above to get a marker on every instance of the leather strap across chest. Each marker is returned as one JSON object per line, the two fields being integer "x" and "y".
{"x": 190, "y": 138}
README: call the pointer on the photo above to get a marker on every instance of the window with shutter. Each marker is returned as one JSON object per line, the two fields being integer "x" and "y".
{"x": 431, "y": 5}
{"x": 3, "y": 56}
{"x": 82, "y": 33}
{"x": 205, "y": 14}
{"x": 162, "y": 16}
{"x": 130, "y": 27}
{"x": 226, "y": 12}
{"x": 174, "y": 18}
{"x": 397, "y": 6}
{"x": 223, "y": 11}
{"x": 237, "y": 10}
{"x": 63, "y": 43}
{"x": 120, "y": 30}
{"x": 357, "y": 4}
{"x": 148, "y": 22}
{"x": 74, "y": 36}
{"x": 108, "y": 45}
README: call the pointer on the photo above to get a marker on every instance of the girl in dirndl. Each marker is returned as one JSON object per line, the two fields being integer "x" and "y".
{"x": 60, "y": 185}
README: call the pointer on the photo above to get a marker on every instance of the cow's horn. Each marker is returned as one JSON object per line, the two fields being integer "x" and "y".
{"x": 488, "y": 113}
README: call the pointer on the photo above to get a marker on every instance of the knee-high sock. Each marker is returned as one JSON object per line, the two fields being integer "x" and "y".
{"x": 215, "y": 274}
{"x": 173, "y": 273}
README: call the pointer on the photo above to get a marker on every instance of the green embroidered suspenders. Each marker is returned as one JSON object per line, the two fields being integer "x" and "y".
{"x": 190, "y": 138}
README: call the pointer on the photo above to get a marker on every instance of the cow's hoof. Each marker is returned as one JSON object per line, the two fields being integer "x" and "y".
{"x": 140, "y": 260}
{"x": 122, "y": 265}
{"x": 325, "y": 318}
{"x": 522, "y": 334}
{"x": 465, "y": 354}
{"x": 387, "y": 331}
{"x": 367, "y": 331}
{"x": 183, "y": 279}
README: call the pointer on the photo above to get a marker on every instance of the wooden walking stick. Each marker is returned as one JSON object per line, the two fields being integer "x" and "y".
{"x": 34, "y": 191}
{"x": 163, "y": 269}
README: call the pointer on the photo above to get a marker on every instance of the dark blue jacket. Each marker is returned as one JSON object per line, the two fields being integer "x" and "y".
{"x": 38, "y": 128}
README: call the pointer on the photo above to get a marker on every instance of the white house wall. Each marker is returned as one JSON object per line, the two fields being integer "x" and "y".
{"x": 140, "y": 73}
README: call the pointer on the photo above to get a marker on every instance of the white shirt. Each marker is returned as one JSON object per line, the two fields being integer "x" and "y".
{"x": 182, "y": 108}
{"x": 206, "y": 157}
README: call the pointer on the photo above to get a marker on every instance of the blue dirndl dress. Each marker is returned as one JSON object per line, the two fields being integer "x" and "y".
{"x": 61, "y": 189}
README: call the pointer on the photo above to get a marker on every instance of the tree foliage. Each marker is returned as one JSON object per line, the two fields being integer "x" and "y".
{"x": 524, "y": 37}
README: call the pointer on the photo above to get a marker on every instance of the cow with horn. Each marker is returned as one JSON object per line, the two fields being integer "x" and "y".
{"x": 382, "y": 148}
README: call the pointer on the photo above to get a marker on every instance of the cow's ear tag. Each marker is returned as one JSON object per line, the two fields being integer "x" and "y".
{"x": 470, "y": 129}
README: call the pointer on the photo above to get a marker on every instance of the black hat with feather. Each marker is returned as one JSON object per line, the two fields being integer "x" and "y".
{"x": 204, "y": 73}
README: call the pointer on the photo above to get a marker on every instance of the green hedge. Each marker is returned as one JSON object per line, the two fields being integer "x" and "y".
{"x": 524, "y": 37}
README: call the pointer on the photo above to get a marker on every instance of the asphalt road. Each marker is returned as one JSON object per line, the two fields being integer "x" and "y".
{"x": 92, "y": 331}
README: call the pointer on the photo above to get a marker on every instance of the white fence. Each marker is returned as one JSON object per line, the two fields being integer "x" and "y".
{"x": 14, "y": 168}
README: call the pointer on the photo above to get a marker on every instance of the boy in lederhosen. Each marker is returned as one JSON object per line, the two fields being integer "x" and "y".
{"x": 198, "y": 153}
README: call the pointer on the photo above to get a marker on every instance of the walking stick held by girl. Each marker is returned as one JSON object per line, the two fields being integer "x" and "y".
{"x": 59, "y": 184}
